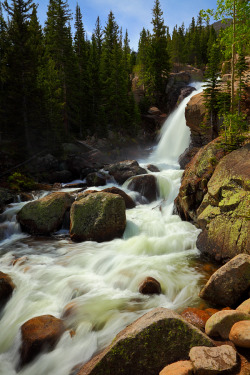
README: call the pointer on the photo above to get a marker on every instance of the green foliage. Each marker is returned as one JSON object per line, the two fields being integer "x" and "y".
{"x": 233, "y": 130}
{"x": 20, "y": 182}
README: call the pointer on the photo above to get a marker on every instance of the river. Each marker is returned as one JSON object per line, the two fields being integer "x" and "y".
{"x": 100, "y": 280}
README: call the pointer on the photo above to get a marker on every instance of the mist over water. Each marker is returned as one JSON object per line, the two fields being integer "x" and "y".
{"x": 100, "y": 280}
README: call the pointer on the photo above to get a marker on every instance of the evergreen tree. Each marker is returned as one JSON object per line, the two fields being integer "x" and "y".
{"x": 4, "y": 45}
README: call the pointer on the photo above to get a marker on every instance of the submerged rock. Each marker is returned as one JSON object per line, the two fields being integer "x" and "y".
{"x": 146, "y": 346}
{"x": 97, "y": 217}
{"x": 150, "y": 286}
{"x": 46, "y": 215}
{"x": 39, "y": 334}
{"x": 6, "y": 288}
{"x": 224, "y": 212}
{"x": 146, "y": 185}
{"x": 213, "y": 361}
{"x": 229, "y": 283}
{"x": 123, "y": 170}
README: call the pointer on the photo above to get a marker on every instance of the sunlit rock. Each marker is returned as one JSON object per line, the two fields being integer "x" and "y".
{"x": 240, "y": 334}
{"x": 178, "y": 368}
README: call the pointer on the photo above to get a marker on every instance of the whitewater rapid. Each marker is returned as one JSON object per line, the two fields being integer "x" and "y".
{"x": 100, "y": 280}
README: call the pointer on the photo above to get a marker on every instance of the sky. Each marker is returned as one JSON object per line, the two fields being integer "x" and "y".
{"x": 132, "y": 15}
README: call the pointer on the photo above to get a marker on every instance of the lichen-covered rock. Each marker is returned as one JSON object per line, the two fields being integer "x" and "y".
{"x": 150, "y": 286}
{"x": 213, "y": 361}
{"x": 244, "y": 306}
{"x": 220, "y": 323}
{"x": 46, "y": 215}
{"x": 97, "y": 217}
{"x": 6, "y": 288}
{"x": 195, "y": 179}
{"x": 227, "y": 285}
{"x": 146, "y": 346}
{"x": 146, "y": 185}
{"x": 240, "y": 334}
{"x": 224, "y": 212}
{"x": 178, "y": 368}
{"x": 196, "y": 317}
{"x": 123, "y": 170}
{"x": 39, "y": 334}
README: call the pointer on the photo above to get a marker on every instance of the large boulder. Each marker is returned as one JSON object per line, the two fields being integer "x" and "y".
{"x": 195, "y": 179}
{"x": 224, "y": 212}
{"x": 146, "y": 185}
{"x": 46, "y": 215}
{"x": 229, "y": 283}
{"x": 39, "y": 334}
{"x": 6, "y": 288}
{"x": 146, "y": 346}
{"x": 123, "y": 170}
{"x": 97, "y": 217}
{"x": 211, "y": 361}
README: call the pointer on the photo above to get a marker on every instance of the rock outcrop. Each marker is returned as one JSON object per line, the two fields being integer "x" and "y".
{"x": 39, "y": 334}
{"x": 145, "y": 347}
{"x": 229, "y": 283}
{"x": 97, "y": 217}
{"x": 6, "y": 288}
{"x": 195, "y": 179}
{"x": 146, "y": 185}
{"x": 123, "y": 170}
{"x": 224, "y": 212}
{"x": 46, "y": 215}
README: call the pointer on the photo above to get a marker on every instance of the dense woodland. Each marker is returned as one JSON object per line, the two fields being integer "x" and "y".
{"x": 55, "y": 84}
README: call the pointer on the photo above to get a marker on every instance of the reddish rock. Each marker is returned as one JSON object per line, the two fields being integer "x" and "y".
{"x": 39, "y": 334}
{"x": 196, "y": 317}
{"x": 146, "y": 185}
{"x": 6, "y": 288}
{"x": 213, "y": 360}
{"x": 240, "y": 334}
{"x": 150, "y": 286}
{"x": 178, "y": 368}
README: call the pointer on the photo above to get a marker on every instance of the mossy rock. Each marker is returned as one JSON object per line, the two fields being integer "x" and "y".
{"x": 97, "y": 217}
{"x": 46, "y": 215}
{"x": 155, "y": 340}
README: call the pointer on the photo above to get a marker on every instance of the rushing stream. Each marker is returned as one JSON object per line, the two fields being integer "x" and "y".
{"x": 100, "y": 280}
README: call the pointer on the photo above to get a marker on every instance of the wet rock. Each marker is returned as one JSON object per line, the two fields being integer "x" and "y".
{"x": 153, "y": 168}
{"x": 123, "y": 170}
{"x": 25, "y": 197}
{"x": 195, "y": 178}
{"x": 146, "y": 185}
{"x": 240, "y": 334}
{"x": 146, "y": 346}
{"x": 244, "y": 307}
{"x": 39, "y": 334}
{"x": 220, "y": 323}
{"x": 229, "y": 283}
{"x": 97, "y": 217}
{"x": 150, "y": 286}
{"x": 6, "y": 288}
{"x": 223, "y": 214}
{"x": 185, "y": 91}
{"x": 178, "y": 368}
{"x": 213, "y": 360}
{"x": 96, "y": 179}
{"x": 46, "y": 215}
{"x": 129, "y": 203}
{"x": 196, "y": 317}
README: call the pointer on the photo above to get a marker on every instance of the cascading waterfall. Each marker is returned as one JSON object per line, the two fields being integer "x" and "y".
{"x": 100, "y": 280}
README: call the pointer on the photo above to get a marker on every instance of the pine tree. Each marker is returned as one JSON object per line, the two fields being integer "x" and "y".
{"x": 4, "y": 45}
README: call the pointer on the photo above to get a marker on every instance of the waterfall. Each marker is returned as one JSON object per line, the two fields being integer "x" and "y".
{"x": 100, "y": 280}
{"x": 174, "y": 135}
